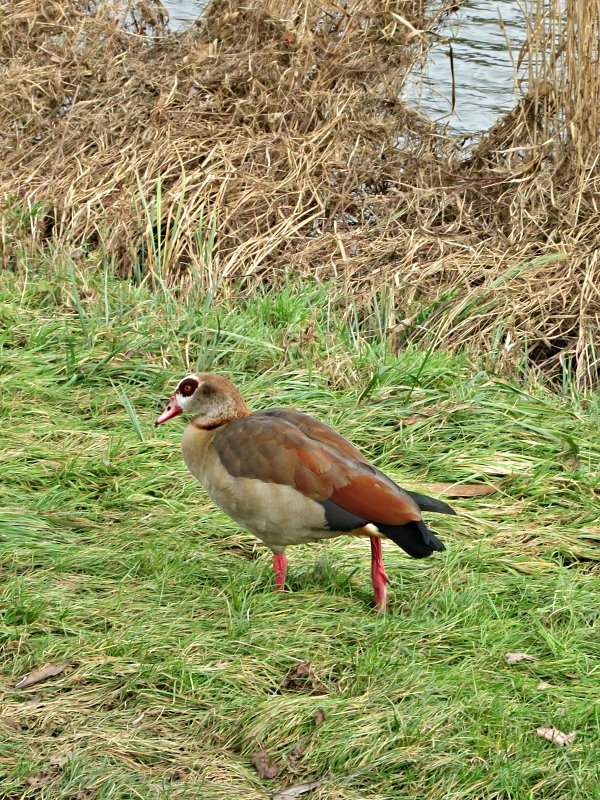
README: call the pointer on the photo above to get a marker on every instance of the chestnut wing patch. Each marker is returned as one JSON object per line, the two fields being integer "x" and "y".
{"x": 268, "y": 446}
{"x": 317, "y": 430}
{"x": 376, "y": 499}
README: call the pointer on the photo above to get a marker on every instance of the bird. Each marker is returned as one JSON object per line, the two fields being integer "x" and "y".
{"x": 289, "y": 478}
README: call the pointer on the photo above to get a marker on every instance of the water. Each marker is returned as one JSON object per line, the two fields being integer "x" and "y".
{"x": 182, "y": 12}
{"x": 483, "y": 68}
{"x": 484, "y": 78}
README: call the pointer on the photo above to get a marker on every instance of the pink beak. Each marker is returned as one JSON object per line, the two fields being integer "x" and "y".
{"x": 171, "y": 410}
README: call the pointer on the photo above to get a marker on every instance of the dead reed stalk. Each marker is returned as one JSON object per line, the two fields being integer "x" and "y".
{"x": 272, "y": 139}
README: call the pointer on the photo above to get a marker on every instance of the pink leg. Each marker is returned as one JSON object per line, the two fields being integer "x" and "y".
{"x": 279, "y": 566}
{"x": 379, "y": 579}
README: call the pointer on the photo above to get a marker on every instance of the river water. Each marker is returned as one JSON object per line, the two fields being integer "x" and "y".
{"x": 486, "y": 36}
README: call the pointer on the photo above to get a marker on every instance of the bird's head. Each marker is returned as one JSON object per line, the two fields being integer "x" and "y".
{"x": 212, "y": 399}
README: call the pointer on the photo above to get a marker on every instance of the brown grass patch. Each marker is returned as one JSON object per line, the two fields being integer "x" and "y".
{"x": 272, "y": 139}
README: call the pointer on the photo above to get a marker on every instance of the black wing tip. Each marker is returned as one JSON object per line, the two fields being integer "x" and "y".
{"x": 430, "y": 539}
{"x": 414, "y": 538}
{"x": 427, "y": 503}
{"x": 429, "y": 550}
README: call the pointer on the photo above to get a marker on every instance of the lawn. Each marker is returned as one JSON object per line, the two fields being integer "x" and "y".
{"x": 183, "y": 665}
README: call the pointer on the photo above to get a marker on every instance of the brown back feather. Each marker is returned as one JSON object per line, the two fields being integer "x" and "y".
{"x": 290, "y": 448}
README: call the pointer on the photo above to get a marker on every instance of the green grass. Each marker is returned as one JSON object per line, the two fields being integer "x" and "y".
{"x": 113, "y": 558}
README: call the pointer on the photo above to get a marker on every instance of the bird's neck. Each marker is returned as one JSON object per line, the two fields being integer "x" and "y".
{"x": 235, "y": 409}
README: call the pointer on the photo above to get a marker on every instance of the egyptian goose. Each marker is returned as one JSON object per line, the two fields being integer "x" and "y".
{"x": 290, "y": 479}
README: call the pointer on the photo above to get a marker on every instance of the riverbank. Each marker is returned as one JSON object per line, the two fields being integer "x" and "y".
{"x": 267, "y": 143}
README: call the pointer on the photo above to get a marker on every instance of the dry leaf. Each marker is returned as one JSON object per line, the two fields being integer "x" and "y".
{"x": 41, "y": 674}
{"x": 296, "y": 791}
{"x": 461, "y": 489}
{"x": 552, "y": 734}
{"x": 295, "y": 757}
{"x": 264, "y": 764}
{"x": 12, "y": 723}
{"x": 319, "y": 716}
{"x": 298, "y": 675}
{"x": 37, "y": 781}
{"x": 301, "y": 678}
{"x": 514, "y": 658}
{"x": 298, "y": 750}
{"x": 544, "y": 685}
{"x": 61, "y": 760}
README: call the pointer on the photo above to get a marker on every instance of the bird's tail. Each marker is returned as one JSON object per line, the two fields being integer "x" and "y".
{"x": 414, "y": 537}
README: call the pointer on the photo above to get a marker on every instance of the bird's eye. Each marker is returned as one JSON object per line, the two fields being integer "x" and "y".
{"x": 188, "y": 388}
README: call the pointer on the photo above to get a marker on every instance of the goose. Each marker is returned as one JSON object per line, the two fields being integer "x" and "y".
{"x": 289, "y": 478}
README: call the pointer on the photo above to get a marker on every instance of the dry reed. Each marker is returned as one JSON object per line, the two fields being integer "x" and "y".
{"x": 271, "y": 139}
